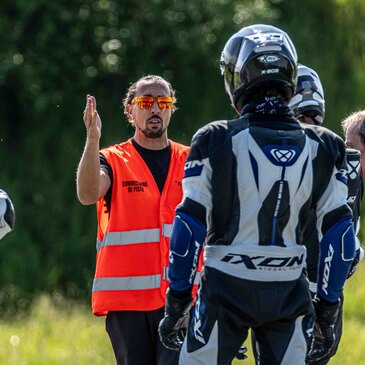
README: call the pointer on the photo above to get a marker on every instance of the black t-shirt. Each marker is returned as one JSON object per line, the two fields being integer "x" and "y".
{"x": 157, "y": 161}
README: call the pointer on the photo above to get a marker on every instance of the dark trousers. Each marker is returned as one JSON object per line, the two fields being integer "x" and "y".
{"x": 135, "y": 340}
{"x": 227, "y": 307}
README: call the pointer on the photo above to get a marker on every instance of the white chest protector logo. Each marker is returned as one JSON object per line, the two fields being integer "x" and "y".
{"x": 282, "y": 155}
{"x": 353, "y": 168}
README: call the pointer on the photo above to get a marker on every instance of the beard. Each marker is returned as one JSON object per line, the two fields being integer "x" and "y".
{"x": 153, "y": 133}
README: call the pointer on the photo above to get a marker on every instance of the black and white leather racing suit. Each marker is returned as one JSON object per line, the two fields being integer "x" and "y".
{"x": 253, "y": 182}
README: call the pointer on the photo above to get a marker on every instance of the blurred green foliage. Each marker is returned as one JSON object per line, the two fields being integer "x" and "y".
{"x": 53, "y": 53}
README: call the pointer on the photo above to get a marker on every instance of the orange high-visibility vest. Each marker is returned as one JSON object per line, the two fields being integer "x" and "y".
{"x": 133, "y": 237}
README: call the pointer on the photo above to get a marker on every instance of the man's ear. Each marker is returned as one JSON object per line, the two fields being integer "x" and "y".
{"x": 129, "y": 110}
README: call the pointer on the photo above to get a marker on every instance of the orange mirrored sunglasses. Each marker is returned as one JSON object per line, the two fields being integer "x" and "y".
{"x": 146, "y": 102}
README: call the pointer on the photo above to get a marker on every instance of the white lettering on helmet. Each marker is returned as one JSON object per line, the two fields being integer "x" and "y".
{"x": 270, "y": 71}
{"x": 268, "y": 58}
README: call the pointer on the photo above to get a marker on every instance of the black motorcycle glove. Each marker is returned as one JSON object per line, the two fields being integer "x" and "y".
{"x": 323, "y": 340}
{"x": 172, "y": 328}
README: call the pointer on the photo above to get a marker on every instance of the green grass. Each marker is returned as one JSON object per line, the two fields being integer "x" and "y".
{"x": 352, "y": 346}
{"x": 57, "y": 332}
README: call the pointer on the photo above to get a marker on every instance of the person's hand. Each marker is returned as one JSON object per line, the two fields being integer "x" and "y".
{"x": 323, "y": 330}
{"x": 172, "y": 328}
{"x": 91, "y": 119}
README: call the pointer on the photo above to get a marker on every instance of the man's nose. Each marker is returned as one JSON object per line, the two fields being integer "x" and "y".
{"x": 155, "y": 108}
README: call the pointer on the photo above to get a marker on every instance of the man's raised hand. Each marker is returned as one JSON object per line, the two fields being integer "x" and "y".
{"x": 92, "y": 119}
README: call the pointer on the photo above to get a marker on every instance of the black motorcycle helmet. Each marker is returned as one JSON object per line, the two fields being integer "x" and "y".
{"x": 258, "y": 57}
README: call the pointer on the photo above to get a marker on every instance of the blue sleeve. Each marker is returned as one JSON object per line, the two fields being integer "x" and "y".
{"x": 187, "y": 238}
{"x": 337, "y": 251}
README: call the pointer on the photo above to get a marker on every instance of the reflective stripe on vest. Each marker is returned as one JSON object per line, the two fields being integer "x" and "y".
{"x": 129, "y": 237}
{"x": 130, "y": 283}
{"x": 132, "y": 237}
{"x": 197, "y": 278}
{"x": 133, "y": 283}
{"x": 166, "y": 230}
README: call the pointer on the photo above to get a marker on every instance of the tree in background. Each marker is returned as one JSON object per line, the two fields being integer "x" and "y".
{"x": 53, "y": 53}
